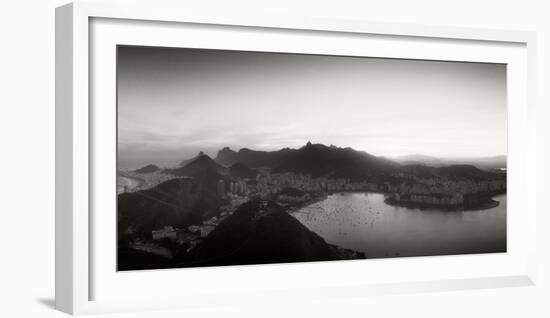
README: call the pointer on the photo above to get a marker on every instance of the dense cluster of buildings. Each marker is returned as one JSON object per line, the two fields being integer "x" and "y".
{"x": 436, "y": 191}
{"x": 194, "y": 233}
{"x": 444, "y": 192}
{"x": 268, "y": 184}
{"x": 445, "y": 186}
{"x": 237, "y": 187}
{"x": 431, "y": 199}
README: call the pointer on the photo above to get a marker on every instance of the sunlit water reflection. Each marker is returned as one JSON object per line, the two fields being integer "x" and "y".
{"x": 363, "y": 222}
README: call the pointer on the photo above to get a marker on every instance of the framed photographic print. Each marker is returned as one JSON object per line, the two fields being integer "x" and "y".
{"x": 215, "y": 165}
{"x": 235, "y": 155}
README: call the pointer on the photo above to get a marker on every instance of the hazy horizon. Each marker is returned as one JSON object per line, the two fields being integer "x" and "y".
{"x": 172, "y": 162}
{"x": 173, "y": 103}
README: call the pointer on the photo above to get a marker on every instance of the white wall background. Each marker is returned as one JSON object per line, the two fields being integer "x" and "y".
{"x": 27, "y": 157}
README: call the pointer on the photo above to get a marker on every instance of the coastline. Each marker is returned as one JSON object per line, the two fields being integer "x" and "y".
{"x": 485, "y": 205}
{"x": 296, "y": 207}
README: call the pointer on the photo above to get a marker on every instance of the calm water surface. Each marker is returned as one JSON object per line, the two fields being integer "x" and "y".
{"x": 363, "y": 222}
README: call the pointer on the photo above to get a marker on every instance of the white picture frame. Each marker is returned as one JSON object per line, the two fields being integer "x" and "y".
{"x": 86, "y": 34}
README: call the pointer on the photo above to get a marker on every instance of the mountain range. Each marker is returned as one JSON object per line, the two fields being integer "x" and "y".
{"x": 259, "y": 231}
{"x": 318, "y": 160}
{"x": 202, "y": 162}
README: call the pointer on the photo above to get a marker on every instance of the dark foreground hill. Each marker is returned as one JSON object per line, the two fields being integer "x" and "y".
{"x": 260, "y": 232}
{"x": 178, "y": 202}
{"x": 256, "y": 233}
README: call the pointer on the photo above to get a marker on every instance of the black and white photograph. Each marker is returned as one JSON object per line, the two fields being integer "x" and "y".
{"x": 272, "y": 159}
{"x": 229, "y": 157}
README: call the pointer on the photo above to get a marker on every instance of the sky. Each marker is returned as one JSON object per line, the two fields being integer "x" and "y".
{"x": 174, "y": 102}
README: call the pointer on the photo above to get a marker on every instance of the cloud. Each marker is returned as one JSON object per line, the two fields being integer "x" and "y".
{"x": 175, "y": 102}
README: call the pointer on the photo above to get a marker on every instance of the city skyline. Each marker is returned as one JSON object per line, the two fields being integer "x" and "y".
{"x": 173, "y": 103}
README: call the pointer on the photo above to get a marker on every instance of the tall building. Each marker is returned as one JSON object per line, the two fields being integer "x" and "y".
{"x": 221, "y": 188}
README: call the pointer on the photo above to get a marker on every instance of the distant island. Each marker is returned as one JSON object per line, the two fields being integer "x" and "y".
{"x": 233, "y": 208}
